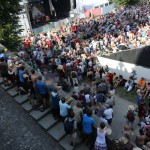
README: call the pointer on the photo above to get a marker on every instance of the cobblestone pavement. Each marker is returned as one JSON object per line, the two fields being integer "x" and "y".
{"x": 18, "y": 131}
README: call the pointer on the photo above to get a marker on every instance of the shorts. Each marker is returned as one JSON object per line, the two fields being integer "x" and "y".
{"x": 46, "y": 95}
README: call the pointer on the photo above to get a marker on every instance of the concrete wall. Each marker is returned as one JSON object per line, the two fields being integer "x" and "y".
{"x": 125, "y": 69}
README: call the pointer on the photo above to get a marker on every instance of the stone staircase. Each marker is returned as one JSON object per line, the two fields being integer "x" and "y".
{"x": 45, "y": 119}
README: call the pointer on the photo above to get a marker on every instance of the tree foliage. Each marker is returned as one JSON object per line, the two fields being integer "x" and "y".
{"x": 125, "y": 2}
{"x": 9, "y": 27}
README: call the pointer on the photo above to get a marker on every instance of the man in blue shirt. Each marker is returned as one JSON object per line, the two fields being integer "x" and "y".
{"x": 42, "y": 91}
{"x": 21, "y": 78}
{"x": 87, "y": 126}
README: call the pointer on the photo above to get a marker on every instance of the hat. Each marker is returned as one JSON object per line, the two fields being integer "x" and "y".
{"x": 123, "y": 140}
{"x": 138, "y": 91}
{"x": 60, "y": 67}
{"x": 109, "y": 131}
{"x": 131, "y": 107}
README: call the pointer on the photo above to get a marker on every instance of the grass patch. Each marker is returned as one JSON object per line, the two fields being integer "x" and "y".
{"x": 130, "y": 96}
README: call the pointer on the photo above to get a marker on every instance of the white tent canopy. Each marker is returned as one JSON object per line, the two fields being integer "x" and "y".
{"x": 88, "y": 4}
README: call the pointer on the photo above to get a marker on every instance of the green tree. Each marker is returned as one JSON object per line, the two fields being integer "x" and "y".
{"x": 125, "y": 2}
{"x": 9, "y": 27}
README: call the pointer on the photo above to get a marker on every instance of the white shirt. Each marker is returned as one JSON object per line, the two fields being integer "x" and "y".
{"x": 100, "y": 139}
{"x": 104, "y": 120}
{"x": 87, "y": 98}
{"x": 64, "y": 108}
{"x": 108, "y": 112}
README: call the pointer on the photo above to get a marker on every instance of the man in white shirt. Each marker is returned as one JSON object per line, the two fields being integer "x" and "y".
{"x": 109, "y": 114}
{"x": 63, "y": 109}
{"x": 87, "y": 98}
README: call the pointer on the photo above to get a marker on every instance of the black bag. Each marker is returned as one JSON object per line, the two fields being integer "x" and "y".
{"x": 74, "y": 75}
{"x": 69, "y": 126}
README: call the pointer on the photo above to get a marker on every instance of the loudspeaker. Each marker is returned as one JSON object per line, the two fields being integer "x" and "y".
{"x": 46, "y": 7}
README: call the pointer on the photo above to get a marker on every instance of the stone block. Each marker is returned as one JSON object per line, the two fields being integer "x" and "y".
{"x": 47, "y": 122}
{"x": 65, "y": 143}
{"x": 37, "y": 114}
{"x": 21, "y": 98}
{"x": 81, "y": 146}
{"x": 12, "y": 92}
{"x": 27, "y": 106}
{"x": 57, "y": 131}
{"x": 6, "y": 87}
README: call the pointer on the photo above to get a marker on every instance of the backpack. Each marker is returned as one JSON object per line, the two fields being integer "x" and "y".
{"x": 69, "y": 126}
{"x": 74, "y": 75}
{"x": 130, "y": 116}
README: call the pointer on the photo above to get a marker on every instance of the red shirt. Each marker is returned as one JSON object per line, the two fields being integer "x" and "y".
{"x": 110, "y": 76}
{"x": 77, "y": 41}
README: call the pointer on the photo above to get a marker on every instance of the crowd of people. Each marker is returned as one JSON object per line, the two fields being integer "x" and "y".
{"x": 39, "y": 20}
{"x": 70, "y": 54}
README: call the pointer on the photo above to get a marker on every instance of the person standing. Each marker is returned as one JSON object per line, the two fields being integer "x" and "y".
{"x": 77, "y": 109}
{"x": 109, "y": 114}
{"x": 64, "y": 107}
{"x": 74, "y": 77}
{"x": 100, "y": 143}
{"x": 55, "y": 104}
{"x": 130, "y": 116}
{"x": 70, "y": 127}
{"x": 87, "y": 127}
{"x": 43, "y": 92}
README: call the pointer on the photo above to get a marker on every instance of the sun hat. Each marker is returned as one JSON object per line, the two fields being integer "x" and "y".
{"x": 60, "y": 67}
{"x": 123, "y": 140}
{"x": 138, "y": 91}
{"x": 131, "y": 107}
{"x": 109, "y": 131}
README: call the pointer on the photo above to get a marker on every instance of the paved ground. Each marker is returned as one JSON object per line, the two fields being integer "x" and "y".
{"x": 120, "y": 110}
{"x": 18, "y": 131}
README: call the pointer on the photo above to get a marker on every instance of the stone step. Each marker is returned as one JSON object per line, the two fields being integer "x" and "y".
{"x": 38, "y": 114}
{"x": 81, "y": 146}
{"x": 48, "y": 121}
{"x": 57, "y": 131}
{"x": 21, "y": 98}
{"x": 6, "y": 87}
{"x": 12, "y": 92}
{"x": 65, "y": 142}
{"x": 27, "y": 106}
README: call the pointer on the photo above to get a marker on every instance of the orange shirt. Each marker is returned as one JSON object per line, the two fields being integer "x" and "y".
{"x": 142, "y": 82}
